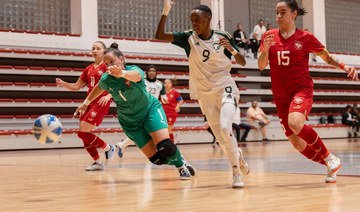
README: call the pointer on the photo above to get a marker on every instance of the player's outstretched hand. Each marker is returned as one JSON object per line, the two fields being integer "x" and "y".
{"x": 104, "y": 100}
{"x": 167, "y": 6}
{"x": 269, "y": 40}
{"x": 351, "y": 72}
{"x": 80, "y": 110}
{"x": 226, "y": 44}
{"x": 59, "y": 82}
{"x": 114, "y": 70}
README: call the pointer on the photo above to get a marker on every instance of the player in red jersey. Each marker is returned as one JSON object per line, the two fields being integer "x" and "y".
{"x": 287, "y": 50}
{"x": 172, "y": 107}
{"x": 96, "y": 110}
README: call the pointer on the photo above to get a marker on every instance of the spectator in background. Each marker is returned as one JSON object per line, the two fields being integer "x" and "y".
{"x": 241, "y": 40}
{"x": 258, "y": 119}
{"x": 172, "y": 106}
{"x": 331, "y": 119}
{"x": 355, "y": 112}
{"x": 237, "y": 125}
{"x": 355, "y": 116}
{"x": 268, "y": 26}
{"x": 257, "y": 33}
{"x": 347, "y": 119}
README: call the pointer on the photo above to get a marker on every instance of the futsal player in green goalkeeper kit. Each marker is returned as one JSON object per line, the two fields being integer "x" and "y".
{"x": 140, "y": 114}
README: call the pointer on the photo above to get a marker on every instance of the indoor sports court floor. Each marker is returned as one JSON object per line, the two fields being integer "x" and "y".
{"x": 280, "y": 180}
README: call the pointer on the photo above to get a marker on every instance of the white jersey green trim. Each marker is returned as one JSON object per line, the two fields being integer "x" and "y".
{"x": 209, "y": 63}
{"x": 156, "y": 88}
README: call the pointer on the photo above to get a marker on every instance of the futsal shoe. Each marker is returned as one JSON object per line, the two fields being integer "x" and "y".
{"x": 237, "y": 181}
{"x": 333, "y": 163}
{"x": 121, "y": 149}
{"x": 109, "y": 155}
{"x": 95, "y": 167}
{"x": 244, "y": 167}
{"x": 184, "y": 173}
{"x": 191, "y": 169}
{"x": 330, "y": 177}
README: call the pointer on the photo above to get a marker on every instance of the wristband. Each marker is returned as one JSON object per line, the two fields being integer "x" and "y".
{"x": 234, "y": 52}
{"x": 86, "y": 102}
{"x": 342, "y": 66}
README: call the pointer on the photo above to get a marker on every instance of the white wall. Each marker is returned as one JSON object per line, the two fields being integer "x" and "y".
{"x": 314, "y": 20}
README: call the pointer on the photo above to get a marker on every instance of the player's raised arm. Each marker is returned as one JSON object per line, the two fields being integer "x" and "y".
{"x": 160, "y": 31}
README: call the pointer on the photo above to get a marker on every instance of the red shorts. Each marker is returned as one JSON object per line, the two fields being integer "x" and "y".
{"x": 301, "y": 103}
{"x": 95, "y": 113}
{"x": 171, "y": 118}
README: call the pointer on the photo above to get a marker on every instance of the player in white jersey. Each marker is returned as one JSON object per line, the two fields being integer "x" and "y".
{"x": 210, "y": 82}
{"x": 156, "y": 88}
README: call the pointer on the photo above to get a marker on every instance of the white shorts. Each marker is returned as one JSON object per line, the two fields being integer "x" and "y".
{"x": 211, "y": 102}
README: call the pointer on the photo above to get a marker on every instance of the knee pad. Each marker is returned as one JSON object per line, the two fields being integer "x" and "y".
{"x": 158, "y": 159}
{"x": 166, "y": 148}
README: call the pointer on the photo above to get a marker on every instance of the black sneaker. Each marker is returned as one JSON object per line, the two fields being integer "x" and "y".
{"x": 191, "y": 169}
{"x": 184, "y": 173}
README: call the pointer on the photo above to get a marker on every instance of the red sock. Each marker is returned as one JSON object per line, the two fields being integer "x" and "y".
{"x": 313, "y": 140}
{"x": 172, "y": 138}
{"x": 99, "y": 143}
{"x": 311, "y": 154}
{"x": 91, "y": 143}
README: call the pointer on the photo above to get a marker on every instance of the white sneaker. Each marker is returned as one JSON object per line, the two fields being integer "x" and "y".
{"x": 330, "y": 177}
{"x": 184, "y": 173}
{"x": 95, "y": 167}
{"x": 333, "y": 163}
{"x": 191, "y": 169}
{"x": 244, "y": 167}
{"x": 109, "y": 155}
{"x": 237, "y": 181}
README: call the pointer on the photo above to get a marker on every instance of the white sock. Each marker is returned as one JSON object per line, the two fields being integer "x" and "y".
{"x": 229, "y": 143}
{"x": 107, "y": 148}
{"x": 125, "y": 143}
{"x": 328, "y": 157}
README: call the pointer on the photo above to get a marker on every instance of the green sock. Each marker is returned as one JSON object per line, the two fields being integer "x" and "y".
{"x": 176, "y": 159}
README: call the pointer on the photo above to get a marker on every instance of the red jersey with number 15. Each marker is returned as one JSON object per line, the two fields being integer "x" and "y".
{"x": 91, "y": 76}
{"x": 289, "y": 62}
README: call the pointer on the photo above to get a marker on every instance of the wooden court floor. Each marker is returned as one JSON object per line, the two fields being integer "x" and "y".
{"x": 280, "y": 180}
